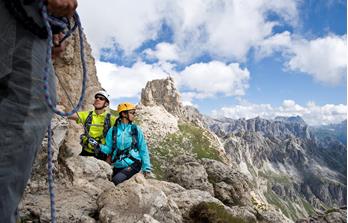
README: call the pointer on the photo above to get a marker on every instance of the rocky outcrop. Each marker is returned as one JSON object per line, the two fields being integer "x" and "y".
{"x": 335, "y": 215}
{"x": 230, "y": 186}
{"x": 189, "y": 173}
{"x": 137, "y": 200}
{"x": 156, "y": 123}
{"x": 68, "y": 69}
{"x": 164, "y": 93}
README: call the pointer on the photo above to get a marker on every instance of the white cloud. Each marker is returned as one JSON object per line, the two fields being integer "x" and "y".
{"x": 126, "y": 23}
{"x": 197, "y": 81}
{"x": 325, "y": 59}
{"x": 275, "y": 43}
{"x": 163, "y": 52}
{"x": 311, "y": 113}
{"x": 221, "y": 28}
{"x": 224, "y": 28}
{"x": 122, "y": 81}
{"x": 210, "y": 79}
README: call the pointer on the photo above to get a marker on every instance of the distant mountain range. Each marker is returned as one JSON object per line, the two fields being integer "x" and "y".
{"x": 299, "y": 168}
{"x": 337, "y": 131}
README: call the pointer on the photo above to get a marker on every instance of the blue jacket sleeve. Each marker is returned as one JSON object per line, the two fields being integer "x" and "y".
{"x": 107, "y": 148}
{"x": 143, "y": 152}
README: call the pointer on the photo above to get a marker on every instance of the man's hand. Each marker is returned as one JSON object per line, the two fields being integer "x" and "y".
{"x": 62, "y": 8}
{"x": 58, "y": 48}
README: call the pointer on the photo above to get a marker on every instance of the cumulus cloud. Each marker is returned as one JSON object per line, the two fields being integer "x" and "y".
{"x": 163, "y": 52}
{"x": 221, "y": 28}
{"x": 209, "y": 79}
{"x": 276, "y": 43}
{"x": 325, "y": 59}
{"x": 313, "y": 114}
{"x": 125, "y": 23}
{"x": 122, "y": 81}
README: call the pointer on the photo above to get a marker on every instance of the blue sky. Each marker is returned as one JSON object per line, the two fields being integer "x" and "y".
{"x": 229, "y": 58}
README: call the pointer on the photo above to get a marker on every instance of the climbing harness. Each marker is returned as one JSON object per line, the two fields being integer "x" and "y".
{"x": 64, "y": 23}
{"x": 85, "y": 138}
{"x": 125, "y": 153}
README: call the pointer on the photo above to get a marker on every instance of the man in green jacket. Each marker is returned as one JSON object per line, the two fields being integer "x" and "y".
{"x": 96, "y": 125}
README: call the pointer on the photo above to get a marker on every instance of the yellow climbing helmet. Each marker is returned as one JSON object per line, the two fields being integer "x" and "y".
{"x": 125, "y": 106}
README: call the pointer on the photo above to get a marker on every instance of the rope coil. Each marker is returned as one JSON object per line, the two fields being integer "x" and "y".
{"x": 52, "y": 106}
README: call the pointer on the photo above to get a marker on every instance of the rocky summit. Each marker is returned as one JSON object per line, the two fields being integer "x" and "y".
{"x": 204, "y": 169}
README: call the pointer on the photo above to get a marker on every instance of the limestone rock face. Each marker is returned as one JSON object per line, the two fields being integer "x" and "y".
{"x": 230, "y": 186}
{"x": 330, "y": 216}
{"x": 68, "y": 69}
{"x": 38, "y": 181}
{"x": 156, "y": 122}
{"x": 137, "y": 201}
{"x": 162, "y": 92}
{"x": 189, "y": 173}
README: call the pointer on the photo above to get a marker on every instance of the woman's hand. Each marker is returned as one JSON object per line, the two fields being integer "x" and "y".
{"x": 147, "y": 174}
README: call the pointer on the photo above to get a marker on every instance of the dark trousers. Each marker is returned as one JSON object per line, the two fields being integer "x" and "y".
{"x": 24, "y": 113}
{"x": 121, "y": 174}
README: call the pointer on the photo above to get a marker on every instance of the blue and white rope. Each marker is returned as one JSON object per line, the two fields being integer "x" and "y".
{"x": 47, "y": 20}
{"x": 50, "y": 175}
{"x": 48, "y": 61}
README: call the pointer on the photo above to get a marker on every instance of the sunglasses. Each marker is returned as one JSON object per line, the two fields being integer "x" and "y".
{"x": 131, "y": 112}
{"x": 100, "y": 98}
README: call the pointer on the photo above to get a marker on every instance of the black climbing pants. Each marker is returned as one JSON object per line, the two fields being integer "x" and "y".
{"x": 121, "y": 174}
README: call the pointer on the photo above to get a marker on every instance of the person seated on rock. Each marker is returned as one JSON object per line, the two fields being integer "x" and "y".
{"x": 96, "y": 125}
{"x": 126, "y": 145}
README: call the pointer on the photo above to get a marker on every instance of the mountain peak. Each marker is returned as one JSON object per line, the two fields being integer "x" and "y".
{"x": 162, "y": 92}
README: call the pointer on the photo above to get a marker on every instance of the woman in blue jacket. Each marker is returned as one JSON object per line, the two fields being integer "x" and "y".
{"x": 126, "y": 146}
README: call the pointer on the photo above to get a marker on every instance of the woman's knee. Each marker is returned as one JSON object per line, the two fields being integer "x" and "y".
{"x": 119, "y": 178}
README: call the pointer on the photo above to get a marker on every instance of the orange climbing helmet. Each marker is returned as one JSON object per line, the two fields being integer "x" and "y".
{"x": 125, "y": 106}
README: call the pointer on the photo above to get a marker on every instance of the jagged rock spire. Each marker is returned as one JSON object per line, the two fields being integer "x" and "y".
{"x": 162, "y": 92}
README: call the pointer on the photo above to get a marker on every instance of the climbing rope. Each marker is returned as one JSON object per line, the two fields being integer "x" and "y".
{"x": 50, "y": 175}
{"x": 48, "y": 60}
{"x": 63, "y": 23}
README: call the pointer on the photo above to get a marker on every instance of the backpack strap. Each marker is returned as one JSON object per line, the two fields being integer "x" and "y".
{"x": 114, "y": 136}
{"x": 107, "y": 124}
{"x": 125, "y": 153}
{"x": 88, "y": 123}
{"x": 134, "y": 133}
